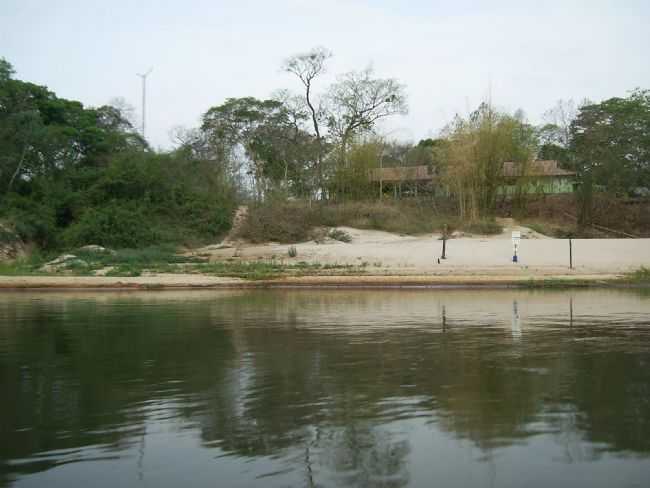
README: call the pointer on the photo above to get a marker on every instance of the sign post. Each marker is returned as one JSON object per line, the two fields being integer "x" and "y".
{"x": 516, "y": 237}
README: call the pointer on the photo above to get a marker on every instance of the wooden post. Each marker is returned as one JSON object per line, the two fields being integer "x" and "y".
{"x": 444, "y": 242}
{"x": 570, "y": 254}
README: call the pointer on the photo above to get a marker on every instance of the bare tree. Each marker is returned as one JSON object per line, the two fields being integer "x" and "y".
{"x": 126, "y": 110}
{"x": 307, "y": 67}
{"x": 358, "y": 100}
{"x": 557, "y": 129}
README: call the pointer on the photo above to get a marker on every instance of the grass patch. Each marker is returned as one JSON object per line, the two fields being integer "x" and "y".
{"x": 124, "y": 262}
{"x": 164, "y": 259}
{"x": 264, "y": 270}
{"x": 23, "y": 266}
{"x": 133, "y": 262}
{"x": 640, "y": 276}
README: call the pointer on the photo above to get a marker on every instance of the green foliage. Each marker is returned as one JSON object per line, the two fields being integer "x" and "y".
{"x": 23, "y": 266}
{"x": 292, "y": 251}
{"x": 611, "y": 142}
{"x": 262, "y": 270}
{"x": 641, "y": 275}
{"x": 33, "y": 220}
{"x": 269, "y": 133}
{"x": 116, "y": 224}
{"x": 350, "y": 179}
{"x": 71, "y": 175}
{"x": 610, "y": 148}
{"x": 138, "y": 199}
{"x": 475, "y": 152}
{"x": 42, "y": 135}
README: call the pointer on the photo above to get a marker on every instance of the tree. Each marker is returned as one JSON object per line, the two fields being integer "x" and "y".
{"x": 267, "y": 131}
{"x": 474, "y": 154}
{"x": 357, "y": 101}
{"x": 125, "y": 109}
{"x": 555, "y": 135}
{"x": 610, "y": 145}
{"x": 307, "y": 67}
{"x": 6, "y": 70}
{"x": 73, "y": 175}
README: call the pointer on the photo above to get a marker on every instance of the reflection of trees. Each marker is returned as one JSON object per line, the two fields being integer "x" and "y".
{"x": 81, "y": 374}
{"x": 483, "y": 383}
{"x": 314, "y": 378}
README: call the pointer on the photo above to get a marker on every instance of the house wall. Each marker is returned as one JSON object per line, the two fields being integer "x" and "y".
{"x": 548, "y": 185}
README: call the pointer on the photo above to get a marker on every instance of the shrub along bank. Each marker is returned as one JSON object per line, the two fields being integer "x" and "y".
{"x": 290, "y": 222}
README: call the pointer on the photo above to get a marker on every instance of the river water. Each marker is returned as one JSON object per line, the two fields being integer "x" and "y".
{"x": 384, "y": 388}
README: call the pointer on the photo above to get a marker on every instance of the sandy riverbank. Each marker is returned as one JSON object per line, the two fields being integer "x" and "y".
{"x": 386, "y": 253}
{"x": 187, "y": 281}
{"x": 381, "y": 259}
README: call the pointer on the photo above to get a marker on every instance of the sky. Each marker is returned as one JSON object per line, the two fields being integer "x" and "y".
{"x": 451, "y": 55}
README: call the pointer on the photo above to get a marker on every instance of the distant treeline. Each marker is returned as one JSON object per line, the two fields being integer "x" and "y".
{"x": 72, "y": 175}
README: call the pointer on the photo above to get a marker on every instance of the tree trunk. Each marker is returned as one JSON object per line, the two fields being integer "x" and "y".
{"x": 18, "y": 168}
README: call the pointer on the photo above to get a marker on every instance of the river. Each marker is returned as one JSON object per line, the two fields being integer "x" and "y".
{"x": 370, "y": 388}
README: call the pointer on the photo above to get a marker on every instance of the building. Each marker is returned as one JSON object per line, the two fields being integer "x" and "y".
{"x": 538, "y": 177}
{"x": 401, "y": 174}
{"x": 404, "y": 180}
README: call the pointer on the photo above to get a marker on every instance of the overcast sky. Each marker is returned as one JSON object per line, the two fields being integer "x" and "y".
{"x": 450, "y": 54}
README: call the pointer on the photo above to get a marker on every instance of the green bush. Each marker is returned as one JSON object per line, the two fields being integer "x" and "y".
{"x": 32, "y": 220}
{"x": 136, "y": 200}
{"x": 114, "y": 225}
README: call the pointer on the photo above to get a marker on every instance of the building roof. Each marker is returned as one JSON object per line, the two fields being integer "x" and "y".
{"x": 548, "y": 167}
{"x": 407, "y": 173}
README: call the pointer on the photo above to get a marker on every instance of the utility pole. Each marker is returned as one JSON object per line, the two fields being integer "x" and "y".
{"x": 144, "y": 99}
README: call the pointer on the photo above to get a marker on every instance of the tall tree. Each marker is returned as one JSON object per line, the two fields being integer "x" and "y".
{"x": 555, "y": 134}
{"x": 610, "y": 143}
{"x": 474, "y": 154}
{"x": 268, "y": 133}
{"x": 42, "y": 134}
{"x": 358, "y": 101}
{"x": 307, "y": 67}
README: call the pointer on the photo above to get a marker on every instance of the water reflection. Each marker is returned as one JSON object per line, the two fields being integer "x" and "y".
{"x": 316, "y": 388}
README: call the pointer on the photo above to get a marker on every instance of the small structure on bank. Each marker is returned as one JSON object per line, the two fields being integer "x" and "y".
{"x": 402, "y": 179}
{"x": 544, "y": 177}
